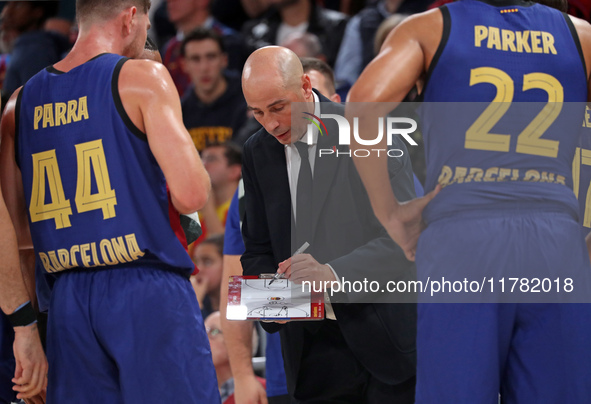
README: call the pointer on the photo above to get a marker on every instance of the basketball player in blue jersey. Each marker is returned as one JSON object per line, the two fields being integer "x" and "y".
{"x": 94, "y": 140}
{"x": 479, "y": 51}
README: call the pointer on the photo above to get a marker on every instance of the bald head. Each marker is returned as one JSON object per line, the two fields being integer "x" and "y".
{"x": 273, "y": 63}
{"x": 272, "y": 81}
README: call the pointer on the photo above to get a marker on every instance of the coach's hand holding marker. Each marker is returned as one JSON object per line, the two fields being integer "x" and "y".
{"x": 300, "y": 250}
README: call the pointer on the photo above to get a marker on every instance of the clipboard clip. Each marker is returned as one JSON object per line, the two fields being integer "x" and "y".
{"x": 271, "y": 276}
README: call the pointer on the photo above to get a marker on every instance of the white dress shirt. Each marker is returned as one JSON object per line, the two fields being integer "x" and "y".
{"x": 293, "y": 169}
{"x": 294, "y": 161}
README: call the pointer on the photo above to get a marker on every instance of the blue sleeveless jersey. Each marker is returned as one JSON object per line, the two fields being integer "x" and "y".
{"x": 95, "y": 195}
{"x": 504, "y": 102}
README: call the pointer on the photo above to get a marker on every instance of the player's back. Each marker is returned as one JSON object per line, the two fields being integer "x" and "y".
{"x": 95, "y": 194}
{"x": 488, "y": 153}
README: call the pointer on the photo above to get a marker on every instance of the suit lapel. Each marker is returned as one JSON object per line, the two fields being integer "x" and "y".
{"x": 275, "y": 168}
{"x": 325, "y": 167}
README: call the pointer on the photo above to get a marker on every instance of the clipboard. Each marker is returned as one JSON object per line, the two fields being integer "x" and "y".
{"x": 252, "y": 298}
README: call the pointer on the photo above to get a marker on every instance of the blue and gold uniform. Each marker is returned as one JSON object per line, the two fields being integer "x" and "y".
{"x": 99, "y": 218}
{"x": 504, "y": 101}
{"x": 485, "y": 154}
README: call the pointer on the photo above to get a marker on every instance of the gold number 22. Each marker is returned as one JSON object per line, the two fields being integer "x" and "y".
{"x": 529, "y": 141}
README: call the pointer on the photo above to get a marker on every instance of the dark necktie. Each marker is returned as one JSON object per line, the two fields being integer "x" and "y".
{"x": 304, "y": 197}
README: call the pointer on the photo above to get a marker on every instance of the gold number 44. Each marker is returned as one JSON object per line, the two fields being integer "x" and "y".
{"x": 91, "y": 161}
{"x": 529, "y": 141}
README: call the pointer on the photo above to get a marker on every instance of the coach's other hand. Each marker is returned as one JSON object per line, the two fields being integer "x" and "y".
{"x": 405, "y": 223}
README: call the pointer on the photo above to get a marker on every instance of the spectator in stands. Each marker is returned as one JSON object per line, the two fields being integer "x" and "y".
{"x": 64, "y": 20}
{"x": 213, "y": 106}
{"x": 357, "y": 48}
{"x": 6, "y": 41}
{"x": 221, "y": 361}
{"x": 234, "y": 13}
{"x": 321, "y": 77}
{"x": 223, "y": 164}
{"x": 580, "y": 8}
{"x": 304, "y": 45}
{"x": 208, "y": 256}
{"x": 288, "y": 16}
{"x": 32, "y": 48}
{"x": 187, "y": 15}
{"x": 162, "y": 30}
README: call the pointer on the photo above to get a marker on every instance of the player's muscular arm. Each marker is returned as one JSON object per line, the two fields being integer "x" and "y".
{"x": 12, "y": 189}
{"x": 152, "y": 102}
{"x": 10, "y": 177}
{"x": 403, "y": 59}
{"x": 31, "y": 365}
{"x": 387, "y": 79}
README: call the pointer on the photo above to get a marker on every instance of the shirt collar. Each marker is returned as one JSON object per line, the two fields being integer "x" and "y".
{"x": 314, "y": 129}
{"x": 316, "y": 113}
{"x": 316, "y": 104}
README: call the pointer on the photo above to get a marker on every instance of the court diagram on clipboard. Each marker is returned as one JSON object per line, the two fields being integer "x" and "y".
{"x": 281, "y": 299}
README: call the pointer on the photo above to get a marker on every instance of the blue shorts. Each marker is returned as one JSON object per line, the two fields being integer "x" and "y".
{"x": 132, "y": 335}
{"x": 468, "y": 353}
{"x": 7, "y": 395}
{"x": 544, "y": 250}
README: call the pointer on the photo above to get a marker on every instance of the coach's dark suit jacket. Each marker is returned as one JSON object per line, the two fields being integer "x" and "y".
{"x": 346, "y": 235}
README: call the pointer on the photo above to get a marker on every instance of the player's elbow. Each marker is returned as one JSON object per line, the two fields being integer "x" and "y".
{"x": 192, "y": 199}
{"x": 190, "y": 204}
{"x": 356, "y": 94}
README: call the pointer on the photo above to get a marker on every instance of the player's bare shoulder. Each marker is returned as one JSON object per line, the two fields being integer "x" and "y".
{"x": 584, "y": 32}
{"x": 143, "y": 73}
{"x": 422, "y": 22}
{"x": 426, "y": 28}
{"x": 582, "y": 26}
{"x": 143, "y": 85}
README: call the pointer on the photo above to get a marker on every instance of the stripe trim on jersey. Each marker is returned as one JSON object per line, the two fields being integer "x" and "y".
{"x": 52, "y": 69}
{"x": 575, "y": 35}
{"x": 17, "y": 110}
{"x": 119, "y": 105}
{"x": 444, "y": 38}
